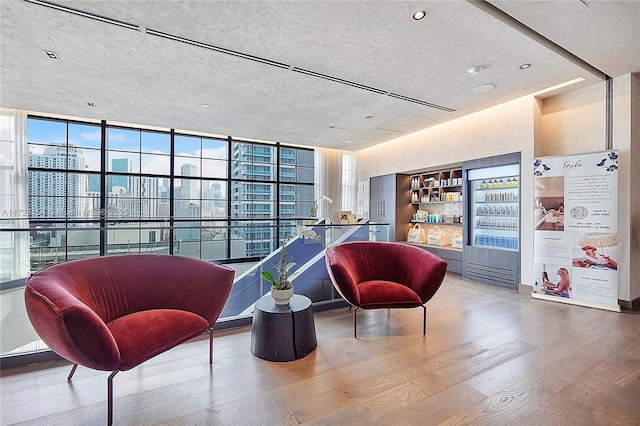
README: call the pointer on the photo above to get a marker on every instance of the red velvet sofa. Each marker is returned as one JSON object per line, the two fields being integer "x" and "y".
{"x": 378, "y": 275}
{"x": 113, "y": 313}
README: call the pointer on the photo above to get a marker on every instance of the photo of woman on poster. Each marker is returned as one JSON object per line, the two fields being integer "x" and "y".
{"x": 596, "y": 251}
{"x": 563, "y": 286}
{"x": 592, "y": 257}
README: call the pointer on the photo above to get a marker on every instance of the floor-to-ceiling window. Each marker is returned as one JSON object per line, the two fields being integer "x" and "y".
{"x": 295, "y": 187}
{"x": 270, "y": 187}
{"x": 200, "y": 198}
{"x": 136, "y": 172}
{"x": 64, "y": 161}
{"x": 97, "y": 189}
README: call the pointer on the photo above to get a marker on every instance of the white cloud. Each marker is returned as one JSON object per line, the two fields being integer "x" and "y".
{"x": 91, "y": 136}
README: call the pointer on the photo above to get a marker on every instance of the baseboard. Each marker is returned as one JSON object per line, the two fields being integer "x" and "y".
{"x": 525, "y": 288}
{"x": 27, "y": 359}
{"x": 625, "y": 305}
{"x": 633, "y": 305}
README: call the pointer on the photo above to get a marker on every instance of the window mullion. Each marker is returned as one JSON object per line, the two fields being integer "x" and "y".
{"x": 172, "y": 177}
{"x": 103, "y": 187}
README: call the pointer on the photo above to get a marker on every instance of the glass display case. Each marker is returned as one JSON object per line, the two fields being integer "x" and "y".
{"x": 492, "y": 229}
{"x": 495, "y": 212}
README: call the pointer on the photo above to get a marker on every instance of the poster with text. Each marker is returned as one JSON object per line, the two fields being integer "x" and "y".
{"x": 576, "y": 229}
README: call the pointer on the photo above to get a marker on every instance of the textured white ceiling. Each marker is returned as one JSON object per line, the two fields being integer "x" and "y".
{"x": 134, "y": 76}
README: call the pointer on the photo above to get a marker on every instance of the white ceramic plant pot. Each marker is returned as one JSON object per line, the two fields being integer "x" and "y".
{"x": 282, "y": 297}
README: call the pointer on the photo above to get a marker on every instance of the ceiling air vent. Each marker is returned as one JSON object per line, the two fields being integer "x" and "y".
{"x": 370, "y": 89}
{"x": 339, "y": 80}
{"x": 418, "y": 101}
{"x": 217, "y": 49}
{"x": 84, "y": 14}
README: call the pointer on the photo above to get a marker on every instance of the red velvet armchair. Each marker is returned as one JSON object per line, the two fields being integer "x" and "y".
{"x": 377, "y": 275}
{"x": 113, "y": 313}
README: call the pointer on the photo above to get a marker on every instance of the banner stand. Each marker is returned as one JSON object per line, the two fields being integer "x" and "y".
{"x": 576, "y": 229}
{"x": 614, "y": 308}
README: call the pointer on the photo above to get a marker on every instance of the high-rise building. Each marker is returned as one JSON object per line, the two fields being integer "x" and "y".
{"x": 150, "y": 196}
{"x": 94, "y": 183}
{"x": 251, "y": 199}
{"x": 188, "y": 204}
{"x": 60, "y": 195}
{"x": 122, "y": 165}
{"x": 189, "y": 189}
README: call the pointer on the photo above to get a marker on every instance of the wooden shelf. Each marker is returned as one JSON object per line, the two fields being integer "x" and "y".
{"x": 422, "y": 222}
{"x": 437, "y": 202}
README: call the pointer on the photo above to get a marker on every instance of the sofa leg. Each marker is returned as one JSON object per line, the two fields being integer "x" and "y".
{"x": 73, "y": 370}
{"x": 110, "y": 398}
{"x": 424, "y": 320}
{"x": 210, "y": 345}
{"x": 355, "y": 322}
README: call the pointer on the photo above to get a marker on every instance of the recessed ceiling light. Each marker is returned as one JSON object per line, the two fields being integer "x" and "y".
{"x": 205, "y": 106}
{"x": 475, "y": 69}
{"x": 483, "y": 88}
{"x": 349, "y": 141}
{"x": 419, "y": 15}
{"x": 51, "y": 54}
{"x": 525, "y": 66}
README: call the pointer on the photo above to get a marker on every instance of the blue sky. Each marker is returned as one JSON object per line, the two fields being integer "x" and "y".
{"x": 88, "y": 136}
{"x": 129, "y": 143}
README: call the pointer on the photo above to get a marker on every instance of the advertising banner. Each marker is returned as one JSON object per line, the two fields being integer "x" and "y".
{"x": 576, "y": 229}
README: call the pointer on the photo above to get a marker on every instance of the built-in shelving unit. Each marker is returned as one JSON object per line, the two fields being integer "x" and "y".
{"x": 438, "y": 202}
{"x": 436, "y": 187}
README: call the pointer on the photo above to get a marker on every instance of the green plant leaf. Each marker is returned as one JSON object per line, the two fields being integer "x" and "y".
{"x": 267, "y": 276}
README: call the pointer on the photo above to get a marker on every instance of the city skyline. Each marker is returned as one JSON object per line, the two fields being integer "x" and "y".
{"x": 83, "y": 192}
{"x": 214, "y": 181}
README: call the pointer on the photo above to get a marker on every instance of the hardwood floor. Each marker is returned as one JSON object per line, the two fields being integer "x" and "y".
{"x": 491, "y": 357}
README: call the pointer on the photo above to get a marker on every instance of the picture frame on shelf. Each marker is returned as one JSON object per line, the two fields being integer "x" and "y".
{"x": 344, "y": 218}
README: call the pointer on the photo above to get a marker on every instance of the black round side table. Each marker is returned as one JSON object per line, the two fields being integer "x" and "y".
{"x": 283, "y": 332}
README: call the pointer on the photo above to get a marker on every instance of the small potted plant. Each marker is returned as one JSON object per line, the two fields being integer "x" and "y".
{"x": 281, "y": 287}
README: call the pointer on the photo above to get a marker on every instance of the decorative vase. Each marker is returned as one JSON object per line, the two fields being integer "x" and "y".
{"x": 282, "y": 297}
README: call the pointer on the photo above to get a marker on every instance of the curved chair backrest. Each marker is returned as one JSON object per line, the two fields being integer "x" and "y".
{"x": 114, "y": 286}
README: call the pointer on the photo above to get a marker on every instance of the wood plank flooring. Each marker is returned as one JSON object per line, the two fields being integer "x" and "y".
{"x": 491, "y": 357}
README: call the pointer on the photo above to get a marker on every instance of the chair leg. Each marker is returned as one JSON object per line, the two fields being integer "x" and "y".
{"x": 110, "y": 398}
{"x": 73, "y": 370}
{"x": 355, "y": 322}
{"x": 424, "y": 320}
{"x": 210, "y": 345}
